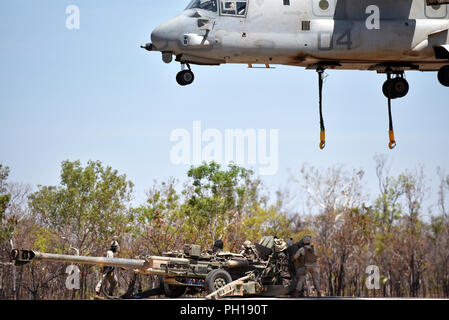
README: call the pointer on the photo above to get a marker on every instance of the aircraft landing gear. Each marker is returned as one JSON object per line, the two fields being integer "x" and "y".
{"x": 320, "y": 71}
{"x": 443, "y": 76}
{"x": 394, "y": 88}
{"x": 185, "y": 77}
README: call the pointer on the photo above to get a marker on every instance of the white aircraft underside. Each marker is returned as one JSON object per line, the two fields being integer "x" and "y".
{"x": 387, "y": 36}
{"x": 304, "y": 32}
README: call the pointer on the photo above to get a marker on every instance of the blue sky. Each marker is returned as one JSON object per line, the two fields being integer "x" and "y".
{"x": 93, "y": 94}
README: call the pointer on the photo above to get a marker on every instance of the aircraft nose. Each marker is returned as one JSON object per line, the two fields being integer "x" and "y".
{"x": 164, "y": 34}
{"x": 158, "y": 39}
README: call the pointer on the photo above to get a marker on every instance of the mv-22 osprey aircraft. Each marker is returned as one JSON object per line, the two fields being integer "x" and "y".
{"x": 387, "y": 36}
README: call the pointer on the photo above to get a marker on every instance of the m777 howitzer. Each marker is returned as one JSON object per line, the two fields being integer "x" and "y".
{"x": 190, "y": 270}
{"x": 178, "y": 271}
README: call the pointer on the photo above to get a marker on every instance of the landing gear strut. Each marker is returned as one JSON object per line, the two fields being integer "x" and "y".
{"x": 394, "y": 88}
{"x": 320, "y": 71}
{"x": 185, "y": 77}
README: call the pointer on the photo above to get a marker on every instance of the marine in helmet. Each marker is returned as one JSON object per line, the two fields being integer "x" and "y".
{"x": 218, "y": 246}
{"x": 108, "y": 276}
{"x": 248, "y": 250}
{"x": 279, "y": 245}
{"x": 306, "y": 261}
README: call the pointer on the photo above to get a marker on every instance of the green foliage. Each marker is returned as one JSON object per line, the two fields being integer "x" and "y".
{"x": 220, "y": 191}
{"x": 89, "y": 205}
{"x": 43, "y": 240}
{"x": 266, "y": 222}
{"x": 161, "y": 198}
{"x": 4, "y": 198}
{"x": 5, "y": 227}
{"x": 216, "y": 199}
{"x": 387, "y": 206}
{"x": 157, "y": 221}
{"x": 437, "y": 227}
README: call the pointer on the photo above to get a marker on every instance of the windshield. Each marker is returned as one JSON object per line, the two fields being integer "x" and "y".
{"x": 210, "y": 5}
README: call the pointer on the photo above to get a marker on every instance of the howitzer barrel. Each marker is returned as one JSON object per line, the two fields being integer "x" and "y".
{"x": 26, "y": 256}
{"x": 150, "y": 265}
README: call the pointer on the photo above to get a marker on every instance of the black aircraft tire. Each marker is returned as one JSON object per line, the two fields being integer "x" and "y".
{"x": 395, "y": 88}
{"x": 216, "y": 279}
{"x": 185, "y": 77}
{"x": 400, "y": 87}
{"x": 179, "y": 79}
{"x": 172, "y": 291}
{"x": 388, "y": 90}
{"x": 443, "y": 76}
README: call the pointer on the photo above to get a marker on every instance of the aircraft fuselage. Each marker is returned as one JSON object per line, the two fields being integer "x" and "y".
{"x": 387, "y": 36}
{"x": 345, "y": 34}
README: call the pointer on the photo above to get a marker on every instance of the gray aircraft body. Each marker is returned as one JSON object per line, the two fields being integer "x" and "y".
{"x": 387, "y": 36}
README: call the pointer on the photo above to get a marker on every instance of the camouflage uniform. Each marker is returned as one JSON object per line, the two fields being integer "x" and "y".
{"x": 306, "y": 261}
{"x": 108, "y": 275}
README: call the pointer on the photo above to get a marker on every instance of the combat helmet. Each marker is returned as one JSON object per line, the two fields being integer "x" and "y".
{"x": 247, "y": 244}
{"x": 115, "y": 246}
{"x": 307, "y": 240}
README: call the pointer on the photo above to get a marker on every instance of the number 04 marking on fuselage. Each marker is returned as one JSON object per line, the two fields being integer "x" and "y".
{"x": 326, "y": 39}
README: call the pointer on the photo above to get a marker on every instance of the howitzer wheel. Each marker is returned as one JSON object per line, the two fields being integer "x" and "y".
{"x": 172, "y": 291}
{"x": 217, "y": 279}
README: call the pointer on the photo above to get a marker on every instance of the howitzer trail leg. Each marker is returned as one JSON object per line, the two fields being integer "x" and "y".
{"x": 235, "y": 288}
{"x": 158, "y": 291}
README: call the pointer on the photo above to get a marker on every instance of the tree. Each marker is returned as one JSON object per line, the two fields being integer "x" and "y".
{"x": 387, "y": 214}
{"x": 439, "y": 241}
{"x": 439, "y": 238}
{"x": 388, "y": 208}
{"x": 5, "y": 227}
{"x": 87, "y": 209}
{"x": 216, "y": 200}
{"x": 158, "y": 223}
{"x": 90, "y": 205}
{"x": 338, "y": 196}
{"x": 415, "y": 191}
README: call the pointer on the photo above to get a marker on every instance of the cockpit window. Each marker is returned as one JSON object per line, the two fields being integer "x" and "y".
{"x": 210, "y": 5}
{"x": 233, "y": 7}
